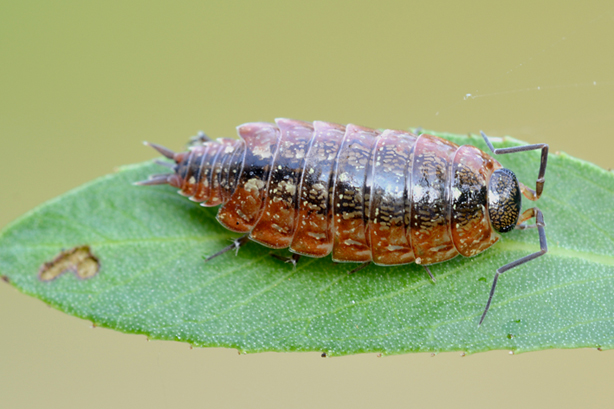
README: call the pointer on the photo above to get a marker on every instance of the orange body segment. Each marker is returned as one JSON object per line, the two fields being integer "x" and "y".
{"x": 350, "y": 242}
{"x": 389, "y": 214}
{"x": 430, "y": 223}
{"x": 314, "y": 231}
{"x": 277, "y": 223}
{"x": 471, "y": 172}
{"x": 243, "y": 209}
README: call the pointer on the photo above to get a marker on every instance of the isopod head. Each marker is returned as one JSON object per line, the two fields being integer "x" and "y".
{"x": 504, "y": 200}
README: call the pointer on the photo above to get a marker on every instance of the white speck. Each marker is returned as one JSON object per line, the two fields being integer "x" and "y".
{"x": 317, "y": 236}
{"x": 456, "y": 192}
{"x": 254, "y": 184}
{"x": 262, "y": 151}
{"x": 350, "y": 242}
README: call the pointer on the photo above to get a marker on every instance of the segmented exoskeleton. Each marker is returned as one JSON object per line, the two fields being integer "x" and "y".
{"x": 388, "y": 197}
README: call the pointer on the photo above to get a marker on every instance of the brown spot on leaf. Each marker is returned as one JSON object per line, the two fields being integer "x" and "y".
{"x": 78, "y": 260}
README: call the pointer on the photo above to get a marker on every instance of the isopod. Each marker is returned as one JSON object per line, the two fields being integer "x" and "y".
{"x": 366, "y": 196}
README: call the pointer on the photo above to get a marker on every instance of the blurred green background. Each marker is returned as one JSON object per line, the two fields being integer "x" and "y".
{"x": 83, "y": 83}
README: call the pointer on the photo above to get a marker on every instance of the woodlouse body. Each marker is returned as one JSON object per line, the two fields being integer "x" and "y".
{"x": 389, "y": 197}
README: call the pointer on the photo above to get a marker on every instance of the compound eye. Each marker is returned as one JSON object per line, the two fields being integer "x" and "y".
{"x": 504, "y": 200}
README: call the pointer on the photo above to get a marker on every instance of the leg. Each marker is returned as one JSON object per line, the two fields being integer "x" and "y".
{"x": 430, "y": 274}
{"x": 199, "y": 139}
{"x": 360, "y": 267}
{"x": 293, "y": 259}
{"x": 539, "y": 185}
{"x": 539, "y": 222}
{"x": 526, "y": 215}
{"x": 236, "y": 244}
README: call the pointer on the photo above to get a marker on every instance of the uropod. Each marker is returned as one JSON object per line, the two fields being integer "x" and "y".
{"x": 366, "y": 196}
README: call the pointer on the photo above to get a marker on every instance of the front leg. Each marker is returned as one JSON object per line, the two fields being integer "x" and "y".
{"x": 526, "y": 215}
{"x": 543, "y": 244}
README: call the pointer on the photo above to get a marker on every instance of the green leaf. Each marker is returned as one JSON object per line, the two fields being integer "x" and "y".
{"x": 152, "y": 279}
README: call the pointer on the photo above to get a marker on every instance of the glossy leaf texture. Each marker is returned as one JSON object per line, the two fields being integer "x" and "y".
{"x": 150, "y": 244}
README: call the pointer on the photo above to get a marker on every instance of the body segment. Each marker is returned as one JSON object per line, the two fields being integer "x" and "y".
{"x": 390, "y": 209}
{"x": 243, "y": 209}
{"x": 277, "y": 222}
{"x": 471, "y": 172}
{"x": 314, "y": 234}
{"x": 351, "y": 192}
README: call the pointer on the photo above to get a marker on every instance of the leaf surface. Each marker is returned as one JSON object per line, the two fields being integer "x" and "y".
{"x": 152, "y": 278}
